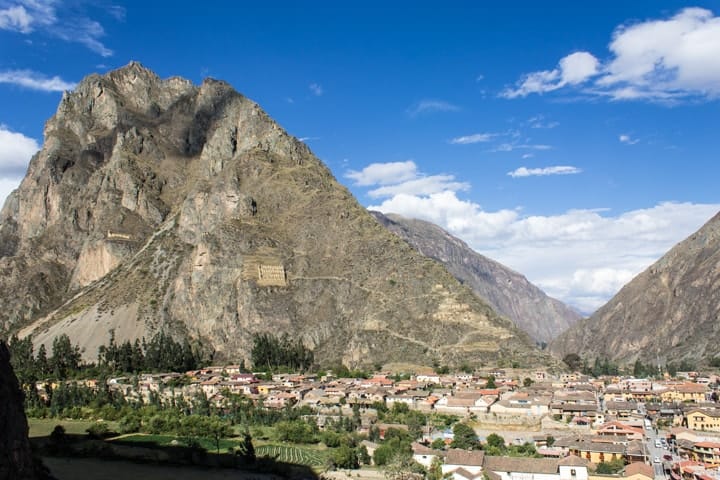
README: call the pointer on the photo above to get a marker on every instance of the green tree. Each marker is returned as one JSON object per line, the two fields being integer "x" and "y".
{"x": 527, "y": 382}
{"x": 573, "y": 361}
{"x": 217, "y": 429}
{"x": 295, "y": 431}
{"x": 345, "y": 457}
{"x": 435, "y": 470}
{"x": 491, "y": 382}
{"x": 363, "y": 455}
{"x": 65, "y": 358}
{"x": 464, "y": 437}
{"x": 401, "y": 466}
{"x": 496, "y": 441}
{"x": 438, "y": 444}
{"x": 611, "y": 467}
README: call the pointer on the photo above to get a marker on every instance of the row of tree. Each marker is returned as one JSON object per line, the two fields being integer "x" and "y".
{"x": 603, "y": 366}
{"x": 161, "y": 353}
{"x": 271, "y": 352}
{"x": 63, "y": 360}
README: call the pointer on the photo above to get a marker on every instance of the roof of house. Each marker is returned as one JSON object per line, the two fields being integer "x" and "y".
{"x": 708, "y": 412}
{"x": 639, "y": 468}
{"x": 456, "y": 456}
{"x": 462, "y": 473}
{"x": 420, "y": 449}
{"x": 708, "y": 444}
{"x": 573, "y": 461}
{"x": 520, "y": 464}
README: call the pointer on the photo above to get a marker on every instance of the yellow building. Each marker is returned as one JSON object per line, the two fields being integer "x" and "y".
{"x": 706, "y": 452}
{"x": 701, "y": 419}
{"x": 685, "y": 392}
{"x": 597, "y": 452}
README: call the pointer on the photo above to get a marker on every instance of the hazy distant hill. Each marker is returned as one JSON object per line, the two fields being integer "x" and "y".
{"x": 669, "y": 312}
{"x": 157, "y": 204}
{"x": 508, "y": 292}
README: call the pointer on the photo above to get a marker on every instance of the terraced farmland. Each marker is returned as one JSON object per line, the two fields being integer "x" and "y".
{"x": 289, "y": 454}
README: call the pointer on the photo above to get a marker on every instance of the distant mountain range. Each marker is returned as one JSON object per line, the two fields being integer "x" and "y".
{"x": 507, "y": 291}
{"x": 668, "y": 313}
{"x": 161, "y": 205}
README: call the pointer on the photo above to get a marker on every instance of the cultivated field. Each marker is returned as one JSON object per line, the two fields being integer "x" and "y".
{"x": 291, "y": 454}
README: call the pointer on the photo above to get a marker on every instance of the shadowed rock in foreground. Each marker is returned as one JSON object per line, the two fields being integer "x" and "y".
{"x": 16, "y": 459}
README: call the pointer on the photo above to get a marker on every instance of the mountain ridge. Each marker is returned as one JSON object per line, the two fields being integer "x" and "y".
{"x": 508, "y": 292}
{"x": 668, "y": 313}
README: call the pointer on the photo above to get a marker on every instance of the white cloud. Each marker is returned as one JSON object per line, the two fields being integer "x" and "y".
{"x": 402, "y": 178}
{"x": 661, "y": 60}
{"x": 627, "y": 139}
{"x": 7, "y": 185}
{"x": 421, "y": 186}
{"x": 15, "y": 19}
{"x": 509, "y": 147}
{"x": 539, "y": 121}
{"x": 35, "y": 81}
{"x": 316, "y": 89}
{"x": 431, "y": 106}
{"x": 15, "y": 152}
{"x": 527, "y": 155}
{"x": 535, "y": 172}
{"x": 384, "y": 173}
{"x": 571, "y": 70}
{"x": 582, "y": 257}
{"x": 57, "y": 20}
{"x": 474, "y": 138}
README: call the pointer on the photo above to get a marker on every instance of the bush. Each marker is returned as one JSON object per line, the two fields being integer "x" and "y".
{"x": 129, "y": 424}
{"x": 98, "y": 430}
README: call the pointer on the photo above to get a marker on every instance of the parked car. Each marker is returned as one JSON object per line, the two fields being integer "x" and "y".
{"x": 667, "y": 456}
{"x": 656, "y": 460}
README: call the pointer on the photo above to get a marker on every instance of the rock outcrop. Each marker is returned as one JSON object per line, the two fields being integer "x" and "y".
{"x": 161, "y": 205}
{"x": 16, "y": 459}
{"x": 506, "y": 291}
{"x": 668, "y": 313}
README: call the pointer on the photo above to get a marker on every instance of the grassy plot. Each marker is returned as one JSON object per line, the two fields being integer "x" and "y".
{"x": 292, "y": 454}
{"x": 42, "y": 427}
{"x": 142, "y": 440}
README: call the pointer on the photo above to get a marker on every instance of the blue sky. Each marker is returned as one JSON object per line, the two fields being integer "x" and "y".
{"x": 575, "y": 142}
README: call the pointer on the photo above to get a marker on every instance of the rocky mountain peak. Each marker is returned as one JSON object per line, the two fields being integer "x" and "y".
{"x": 159, "y": 205}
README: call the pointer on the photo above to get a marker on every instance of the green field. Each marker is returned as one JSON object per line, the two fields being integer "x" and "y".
{"x": 142, "y": 440}
{"x": 292, "y": 454}
{"x": 41, "y": 427}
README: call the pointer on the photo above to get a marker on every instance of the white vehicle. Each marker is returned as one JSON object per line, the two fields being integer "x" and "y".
{"x": 648, "y": 424}
{"x": 656, "y": 460}
{"x": 657, "y": 443}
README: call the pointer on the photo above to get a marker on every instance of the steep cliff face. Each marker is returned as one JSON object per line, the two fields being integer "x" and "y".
{"x": 156, "y": 204}
{"x": 669, "y": 312}
{"x": 507, "y": 292}
{"x": 16, "y": 459}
